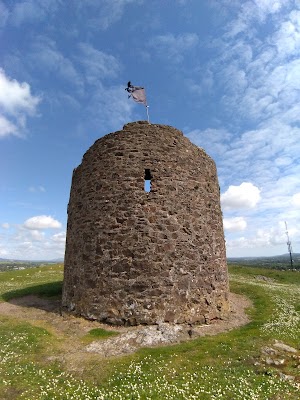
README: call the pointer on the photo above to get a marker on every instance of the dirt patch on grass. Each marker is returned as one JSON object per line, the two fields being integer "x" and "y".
{"x": 74, "y": 347}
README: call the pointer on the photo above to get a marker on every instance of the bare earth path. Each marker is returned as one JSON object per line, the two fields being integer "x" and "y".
{"x": 44, "y": 312}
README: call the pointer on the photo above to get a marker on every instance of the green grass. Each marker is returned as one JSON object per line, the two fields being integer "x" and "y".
{"x": 225, "y": 366}
{"x": 99, "y": 333}
{"x": 44, "y": 281}
{"x": 50, "y": 289}
{"x": 288, "y": 277}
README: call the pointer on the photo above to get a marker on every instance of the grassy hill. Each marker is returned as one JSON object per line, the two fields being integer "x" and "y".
{"x": 260, "y": 360}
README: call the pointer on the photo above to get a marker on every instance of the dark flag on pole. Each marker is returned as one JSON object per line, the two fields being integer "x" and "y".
{"x": 138, "y": 94}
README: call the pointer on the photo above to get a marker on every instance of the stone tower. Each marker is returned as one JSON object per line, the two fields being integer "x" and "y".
{"x": 145, "y": 256}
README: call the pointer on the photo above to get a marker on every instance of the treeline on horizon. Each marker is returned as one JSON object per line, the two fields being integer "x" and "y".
{"x": 276, "y": 262}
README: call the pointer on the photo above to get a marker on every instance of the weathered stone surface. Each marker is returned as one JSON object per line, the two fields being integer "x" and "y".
{"x": 148, "y": 336}
{"x": 138, "y": 257}
{"x": 284, "y": 347}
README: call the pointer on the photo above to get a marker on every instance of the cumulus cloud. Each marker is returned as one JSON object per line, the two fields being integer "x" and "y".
{"x": 235, "y": 224}
{"x": 42, "y": 222}
{"x": 16, "y": 97}
{"x": 263, "y": 240}
{"x": 246, "y": 195}
{"x": 33, "y": 240}
{"x": 16, "y": 103}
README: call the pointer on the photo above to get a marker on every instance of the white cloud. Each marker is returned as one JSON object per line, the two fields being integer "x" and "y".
{"x": 3, "y": 252}
{"x": 35, "y": 189}
{"x": 45, "y": 56}
{"x": 116, "y": 108}
{"x": 287, "y": 38}
{"x": 32, "y": 244}
{"x": 259, "y": 78}
{"x": 283, "y": 161}
{"x": 251, "y": 13}
{"x": 87, "y": 72}
{"x": 5, "y": 225}
{"x": 26, "y": 11}
{"x": 41, "y": 222}
{"x": 7, "y": 128}
{"x": 37, "y": 235}
{"x": 263, "y": 241}
{"x": 174, "y": 47}
{"x": 16, "y": 102}
{"x": 16, "y": 97}
{"x": 105, "y": 12}
{"x": 59, "y": 238}
{"x": 235, "y": 224}
{"x": 4, "y": 13}
{"x": 216, "y": 142}
{"x": 296, "y": 200}
{"x": 112, "y": 11}
{"x": 246, "y": 195}
{"x": 30, "y": 11}
{"x": 257, "y": 71}
{"x": 98, "y": 65}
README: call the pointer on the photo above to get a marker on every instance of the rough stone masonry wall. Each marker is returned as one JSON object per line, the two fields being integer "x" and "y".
{"x": 134, "y": 257}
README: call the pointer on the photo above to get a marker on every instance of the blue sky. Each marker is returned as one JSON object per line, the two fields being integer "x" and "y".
{"x": 225, "y": 72}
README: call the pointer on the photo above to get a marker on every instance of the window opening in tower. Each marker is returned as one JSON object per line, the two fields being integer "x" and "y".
{"x": 147, "y": 182}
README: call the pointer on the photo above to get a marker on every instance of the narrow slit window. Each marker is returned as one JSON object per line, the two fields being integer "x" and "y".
{"x": 147, "y": 183}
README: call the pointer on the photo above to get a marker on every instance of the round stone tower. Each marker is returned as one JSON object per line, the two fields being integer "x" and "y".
{"x": 145, "y": 241}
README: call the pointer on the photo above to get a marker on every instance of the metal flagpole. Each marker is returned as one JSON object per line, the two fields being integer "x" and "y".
{"x": 148, "y": 114}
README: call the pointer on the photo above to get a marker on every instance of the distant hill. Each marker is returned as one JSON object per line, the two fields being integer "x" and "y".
{"x": 280, "y": 261}
{"x": 10, "y": 264}
{"x": 55, "y": 260}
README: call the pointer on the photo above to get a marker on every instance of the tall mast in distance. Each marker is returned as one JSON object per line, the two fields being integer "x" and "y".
{"x": 289, "y": 244}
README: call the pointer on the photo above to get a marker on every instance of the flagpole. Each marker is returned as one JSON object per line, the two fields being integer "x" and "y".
{"x": 148, "y": 114}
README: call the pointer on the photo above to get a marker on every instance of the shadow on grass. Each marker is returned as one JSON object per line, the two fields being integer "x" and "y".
{"x": 46, "y": 296}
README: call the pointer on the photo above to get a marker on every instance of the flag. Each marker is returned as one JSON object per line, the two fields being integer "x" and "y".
{"x": 137, "y": 93}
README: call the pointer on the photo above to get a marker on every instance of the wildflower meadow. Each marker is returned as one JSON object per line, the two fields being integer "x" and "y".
{"x": 229, "y": 365}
